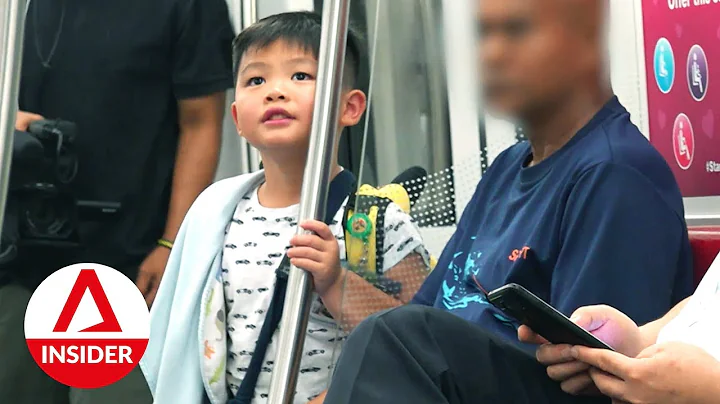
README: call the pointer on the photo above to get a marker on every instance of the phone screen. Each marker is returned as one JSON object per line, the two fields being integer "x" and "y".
{"x": 530, "y": 310}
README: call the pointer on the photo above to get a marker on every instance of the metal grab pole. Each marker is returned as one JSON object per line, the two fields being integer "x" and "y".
{"x": 12, "y": 18}
{"x": 316, "y": 179}
{"x": 246, "y": 16}
{"x": 250, "y": 17}
{"x": 249, "y": 12}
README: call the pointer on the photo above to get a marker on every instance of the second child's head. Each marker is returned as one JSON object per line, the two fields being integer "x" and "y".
{"x": 276, "y": 65}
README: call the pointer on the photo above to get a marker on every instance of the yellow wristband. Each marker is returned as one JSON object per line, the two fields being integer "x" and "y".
{"x": 165, "y": 243}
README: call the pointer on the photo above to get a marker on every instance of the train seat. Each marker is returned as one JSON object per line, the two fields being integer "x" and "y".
{"x": 705, "y": 242}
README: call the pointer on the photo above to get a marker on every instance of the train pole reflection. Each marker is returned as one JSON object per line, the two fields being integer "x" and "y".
{"x": 12, "y": 20}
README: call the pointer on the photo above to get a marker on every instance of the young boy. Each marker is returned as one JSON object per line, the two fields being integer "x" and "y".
{"x": 253, "y": 221}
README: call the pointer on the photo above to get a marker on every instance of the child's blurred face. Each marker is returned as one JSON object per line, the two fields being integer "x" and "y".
{"x": 274, "y": 96}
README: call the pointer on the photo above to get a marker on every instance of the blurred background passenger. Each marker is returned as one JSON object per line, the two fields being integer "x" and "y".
{"x": 144, "y": 82}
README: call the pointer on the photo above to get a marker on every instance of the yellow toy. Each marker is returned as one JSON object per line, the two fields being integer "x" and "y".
{"x": 366, "y": 223}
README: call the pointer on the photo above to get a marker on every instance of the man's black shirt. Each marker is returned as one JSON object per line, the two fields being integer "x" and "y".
{"x": 118, "y": 70}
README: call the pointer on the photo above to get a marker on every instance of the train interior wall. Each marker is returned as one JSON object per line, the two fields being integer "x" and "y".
{"x": 420, "y": 112}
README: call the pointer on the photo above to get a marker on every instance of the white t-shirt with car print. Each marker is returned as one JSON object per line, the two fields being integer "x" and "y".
{"x": 255, "y": 243}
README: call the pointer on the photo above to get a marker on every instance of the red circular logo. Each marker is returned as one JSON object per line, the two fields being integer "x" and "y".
{"x": 683, "y": 141}
{"x": 87, "y": 325}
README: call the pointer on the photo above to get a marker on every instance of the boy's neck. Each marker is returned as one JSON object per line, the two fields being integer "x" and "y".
{"x": 283, "y": 182}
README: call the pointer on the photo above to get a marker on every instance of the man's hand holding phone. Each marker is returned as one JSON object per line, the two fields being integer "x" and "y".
{"x": 604, "y": 322}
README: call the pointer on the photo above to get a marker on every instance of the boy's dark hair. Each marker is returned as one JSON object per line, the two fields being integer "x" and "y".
{"x": 301, "y": 28}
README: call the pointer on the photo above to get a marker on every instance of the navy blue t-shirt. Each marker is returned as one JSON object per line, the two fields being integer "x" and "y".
{"x": 600, "y": 221}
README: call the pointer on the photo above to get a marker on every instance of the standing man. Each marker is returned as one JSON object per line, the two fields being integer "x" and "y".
{"x": 145, "y": 83}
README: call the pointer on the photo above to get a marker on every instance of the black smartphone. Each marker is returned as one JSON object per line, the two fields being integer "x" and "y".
{"x": 520, "y": 304}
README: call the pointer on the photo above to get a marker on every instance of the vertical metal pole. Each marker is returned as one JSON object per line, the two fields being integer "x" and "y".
{"x": 439, "y": 152}
{"x": 246, "y": 15}
{"x": 236, "y": 11}
{"x": 249, "y": 13}
{"x": 12, "y": 18}
{"x": 250, "y": 17}
{"x": 314, "y": 194}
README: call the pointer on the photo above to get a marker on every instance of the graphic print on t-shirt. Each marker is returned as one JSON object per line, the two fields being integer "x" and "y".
{"x": 458, "y": 296}
{"x": 462, "y": 289}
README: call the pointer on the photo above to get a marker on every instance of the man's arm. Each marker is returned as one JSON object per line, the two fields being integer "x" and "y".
{"x": 197, "y": 155}
{"x": 621, "y": 245}
{"x": 200, "y": 122}
{"x": 201, "y": 72}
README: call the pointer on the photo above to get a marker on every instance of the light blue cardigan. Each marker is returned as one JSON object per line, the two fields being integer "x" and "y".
{"x": 172, "y": 363}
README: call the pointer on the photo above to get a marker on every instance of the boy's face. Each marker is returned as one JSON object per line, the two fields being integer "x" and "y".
{"x": 275, "y": 94}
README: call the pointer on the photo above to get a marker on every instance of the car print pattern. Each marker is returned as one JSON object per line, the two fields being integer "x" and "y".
{"x": 255, "y": 243}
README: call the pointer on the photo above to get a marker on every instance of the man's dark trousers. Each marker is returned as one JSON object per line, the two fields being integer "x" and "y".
{"x": 421, "y": 355}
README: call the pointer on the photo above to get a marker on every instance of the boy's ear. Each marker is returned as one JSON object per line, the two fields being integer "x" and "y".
{"x": 353, "y": 108}
{"x": 233, "y": 109}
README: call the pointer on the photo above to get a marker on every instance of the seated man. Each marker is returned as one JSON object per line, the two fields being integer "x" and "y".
{"x": 675, "y": 359}
{"x": 586, "y": 212}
